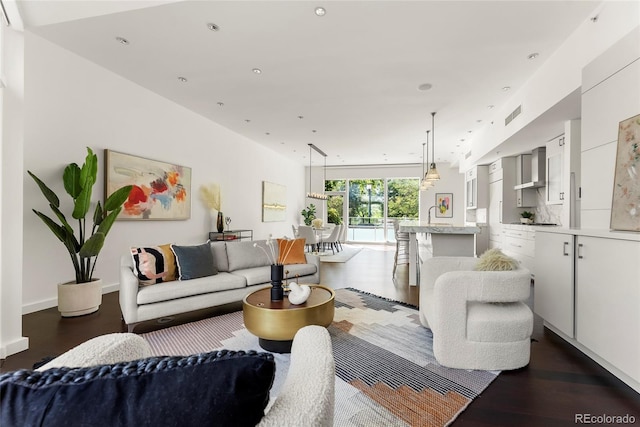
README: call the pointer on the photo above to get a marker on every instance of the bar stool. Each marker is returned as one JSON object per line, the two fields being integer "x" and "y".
{"x": 402, "y": 247}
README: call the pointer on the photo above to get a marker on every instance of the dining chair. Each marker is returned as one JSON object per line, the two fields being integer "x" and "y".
{"x": 332, "y": 240}
{"x": 311, "y": 238}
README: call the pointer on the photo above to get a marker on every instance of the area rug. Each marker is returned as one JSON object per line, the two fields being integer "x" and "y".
{"x": 344, "y": 255}
{"x": 386, "y": 374}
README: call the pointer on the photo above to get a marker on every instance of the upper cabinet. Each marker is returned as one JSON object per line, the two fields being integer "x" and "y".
{"x": 477, "y": 187}
{"x": 555, "y": 171}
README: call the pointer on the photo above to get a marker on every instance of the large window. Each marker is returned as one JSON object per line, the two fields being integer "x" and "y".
{"x": 372, "y": 206}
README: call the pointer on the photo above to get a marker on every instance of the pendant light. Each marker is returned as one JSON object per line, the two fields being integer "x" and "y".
{"x": 310, "y": 194}
{"x": 433, "y": 174}
{"x": 425, "y": 184}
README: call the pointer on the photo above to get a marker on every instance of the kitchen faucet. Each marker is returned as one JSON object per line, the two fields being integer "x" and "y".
{"x": 429, "y": 214}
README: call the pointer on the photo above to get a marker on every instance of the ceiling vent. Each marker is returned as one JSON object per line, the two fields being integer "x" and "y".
{"x": 513, "y": 115}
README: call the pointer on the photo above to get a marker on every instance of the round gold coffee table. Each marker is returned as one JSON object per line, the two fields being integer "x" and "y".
{"x": 276, "y": 322}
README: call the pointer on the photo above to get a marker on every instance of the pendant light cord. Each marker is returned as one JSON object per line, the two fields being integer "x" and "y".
{"x": 433, "y": 138}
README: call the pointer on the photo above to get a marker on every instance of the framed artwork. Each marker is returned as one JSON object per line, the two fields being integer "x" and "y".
{"x": 161, "y": 191}
{"x": 274, "y": 202}
{"x": 444, "y": 205}
{"x": 625, "y": 203}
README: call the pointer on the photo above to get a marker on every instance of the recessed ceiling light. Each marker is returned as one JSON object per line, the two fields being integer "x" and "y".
{"x": 425, "y": 86}
{"x": 182, "y": 79}
{"x": 533, "y": 55}
{"x": 220, "y": 104}
{"x": 247, "y": 120}
{"x": 313, "y": 130}
{"x": 267, "y": 133}
{"x": 122, "y": 40}
{"x": 301, "y": 117}
{"x": 257, "y": 70}
{"x": 506, "y": 88}
{"x": 320, "y": 11}
{"x": 212, "y": 26}
{"x": 490, "y": 107}
{"x": 479, "y": 121}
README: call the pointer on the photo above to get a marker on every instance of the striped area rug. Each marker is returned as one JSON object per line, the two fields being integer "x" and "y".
{"x": 386, "y": 374}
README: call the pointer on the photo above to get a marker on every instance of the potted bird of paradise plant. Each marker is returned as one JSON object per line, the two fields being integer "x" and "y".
{"x": 84, "y": 294}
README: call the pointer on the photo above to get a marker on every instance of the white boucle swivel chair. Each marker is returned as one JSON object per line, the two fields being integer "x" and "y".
{"x": 478, "y": 318}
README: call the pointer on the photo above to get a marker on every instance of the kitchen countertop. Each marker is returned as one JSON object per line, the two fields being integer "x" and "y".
{"x": 436, "y": 228}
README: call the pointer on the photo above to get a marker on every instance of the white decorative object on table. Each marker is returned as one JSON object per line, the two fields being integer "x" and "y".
{"x": 317, "y": 223}
{"x": 298, "y": 294}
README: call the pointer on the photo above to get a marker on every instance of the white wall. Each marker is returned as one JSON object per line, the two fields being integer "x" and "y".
{"x": 12, "y": 100}
{"x": 71, "y": 103}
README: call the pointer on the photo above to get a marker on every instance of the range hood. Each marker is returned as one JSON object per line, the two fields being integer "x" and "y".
{"x": 533, "y": 174}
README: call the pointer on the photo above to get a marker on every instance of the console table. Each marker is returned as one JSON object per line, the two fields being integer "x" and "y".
{"x": 231, "y": 235}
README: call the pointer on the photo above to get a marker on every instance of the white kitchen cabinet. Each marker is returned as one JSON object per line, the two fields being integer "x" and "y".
{"x": 518, "y": 241}
{"x": 495, "y": 214}
{"x": 608, "y": 300}
{"x": 555, "y": 168}
{"x": 471, "y": 197}
{"x": 591, "y": 299}
{"x": 476, "y": 189}
{"x": 502, "y": 198}
{"x": 553, "y": 293}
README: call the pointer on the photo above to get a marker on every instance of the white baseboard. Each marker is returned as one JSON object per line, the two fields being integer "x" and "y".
{"x": 21, "y": 344}
{"x": 53, "y": 302}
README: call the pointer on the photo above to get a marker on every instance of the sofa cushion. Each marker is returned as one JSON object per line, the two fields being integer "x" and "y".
{"x": 258, "y": 275}
{"x": 218, "y": 388}
{"x": 498, "y": 322}
{"x": 219, "y": 252}
{"x": 244, "y": 255}
{"x": 203, "y": 285}
{"x": 194, "y": 261}
{"x": 154, "y": 264}
{"x": 291, "y": 251}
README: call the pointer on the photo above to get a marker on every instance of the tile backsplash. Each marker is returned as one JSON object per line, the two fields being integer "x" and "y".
{"x": 547, "y": 213}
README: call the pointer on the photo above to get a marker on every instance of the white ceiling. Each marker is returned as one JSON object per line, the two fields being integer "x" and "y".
{"x": 352, "y": 74}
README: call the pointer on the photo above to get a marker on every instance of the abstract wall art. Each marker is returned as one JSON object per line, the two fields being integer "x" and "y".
{"x": 625, "y": 203}
{"x": 274, "y": 202}
{"x": 444, "y": 205}
{"x": 161, "y": 191}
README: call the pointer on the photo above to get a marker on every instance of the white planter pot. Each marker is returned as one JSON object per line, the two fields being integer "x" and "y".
{"x": 78, "y": 299}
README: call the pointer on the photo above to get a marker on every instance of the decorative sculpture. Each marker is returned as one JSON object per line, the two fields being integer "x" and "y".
{"x": 298, "y": 294}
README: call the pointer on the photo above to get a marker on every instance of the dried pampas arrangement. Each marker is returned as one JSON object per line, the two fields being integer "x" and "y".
{"x": 210, "y": 196}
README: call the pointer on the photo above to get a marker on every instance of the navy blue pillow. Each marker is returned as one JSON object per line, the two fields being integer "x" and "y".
{"x": 194, "y": 261}
{"x": 223, "y": 388}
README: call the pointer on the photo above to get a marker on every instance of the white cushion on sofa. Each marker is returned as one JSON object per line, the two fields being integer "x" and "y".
{"x": 243, "y": 255}
{"x": 219, "y": 252}
{"x": 179, "y": 289}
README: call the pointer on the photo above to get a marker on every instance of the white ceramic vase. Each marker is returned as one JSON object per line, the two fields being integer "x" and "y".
{"x": 79, "y": 299}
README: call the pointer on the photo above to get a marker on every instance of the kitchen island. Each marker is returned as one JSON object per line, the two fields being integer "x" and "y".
{"x": 446, "y": 240}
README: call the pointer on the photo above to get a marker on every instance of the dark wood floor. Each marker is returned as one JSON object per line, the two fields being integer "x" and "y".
{"x": 559, "y": 382}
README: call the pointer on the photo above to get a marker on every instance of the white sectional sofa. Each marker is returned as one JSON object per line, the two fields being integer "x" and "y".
{"x": 242, "y": 268}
